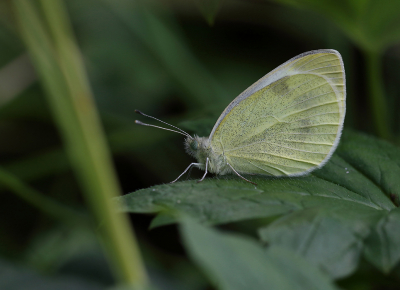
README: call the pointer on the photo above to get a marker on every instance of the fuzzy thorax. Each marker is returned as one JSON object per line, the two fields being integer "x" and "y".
{"x": 200, "y": 148}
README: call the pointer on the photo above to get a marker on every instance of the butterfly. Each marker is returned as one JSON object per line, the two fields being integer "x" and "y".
{"x": 288, "y": 123}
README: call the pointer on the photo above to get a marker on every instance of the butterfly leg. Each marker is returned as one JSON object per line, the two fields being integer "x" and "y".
{"x": 205, "y": 172}
{"x": 240, "y": 175}
{"x": 191, "y": 164}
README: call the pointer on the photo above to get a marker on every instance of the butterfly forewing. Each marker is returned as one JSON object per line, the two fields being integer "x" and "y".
{"x": 289, "y": 126}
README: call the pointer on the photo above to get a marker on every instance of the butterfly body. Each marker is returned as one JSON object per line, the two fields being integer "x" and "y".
{"x": 199, "y": 148}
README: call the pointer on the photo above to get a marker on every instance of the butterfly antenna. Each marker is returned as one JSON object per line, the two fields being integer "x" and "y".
{"x": 144, "y": 124}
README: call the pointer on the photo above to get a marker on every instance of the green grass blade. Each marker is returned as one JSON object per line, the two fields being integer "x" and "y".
{"x": 58, "y": 62}
{"x": 38, "y": 200}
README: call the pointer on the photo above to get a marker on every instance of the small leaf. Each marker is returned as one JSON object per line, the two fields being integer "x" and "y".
{"x": 209, "y": 9}
{"x": 235, "y": 263}
{"x": 162, "y": 219}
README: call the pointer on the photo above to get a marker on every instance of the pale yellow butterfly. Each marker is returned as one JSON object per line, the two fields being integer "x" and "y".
{"x": 288, "y": 123}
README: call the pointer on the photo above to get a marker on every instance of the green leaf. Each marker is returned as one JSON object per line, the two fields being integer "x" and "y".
{"x": 234, "y": 262}
{"x": 320, "y": 235}
{"x": 15, "y": 278}
{"x": 348, "y": 174}
{"x": 382, "y": 246}
{"x": 377, "y": 160}
{"x": 371, "y": 24}
{"x": 326, "y": 216}
{"x": 159, "y": 33}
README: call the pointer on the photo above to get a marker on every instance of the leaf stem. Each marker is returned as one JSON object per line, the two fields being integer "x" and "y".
{"x": 376, "y": 94}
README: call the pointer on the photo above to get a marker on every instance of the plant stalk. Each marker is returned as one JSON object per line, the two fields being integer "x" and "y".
{"x": 58, "y": 61}
{"x": 376, "y": 94}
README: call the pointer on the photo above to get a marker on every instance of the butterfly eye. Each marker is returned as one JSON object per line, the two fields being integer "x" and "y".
{"x": 194, "y": 145}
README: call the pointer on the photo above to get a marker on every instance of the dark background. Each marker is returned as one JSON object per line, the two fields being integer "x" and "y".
{"x": 166, "y": 59}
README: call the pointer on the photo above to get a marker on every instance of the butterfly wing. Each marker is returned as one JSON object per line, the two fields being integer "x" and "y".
{"x": 289, "y": 122}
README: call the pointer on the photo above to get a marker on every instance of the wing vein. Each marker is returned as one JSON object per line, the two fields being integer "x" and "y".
{"x": 308, "y": 133}
{"x": 309, "y": 117}
{"x": 238, "y": 148}
{"x": 311, "y": 60}
{"x": 283, "y": 157}
{"x": 304, "y": 100}
{"x": 321, "y": 68}
{"x": 251, "y": 158}
{"x": 328, "y": 144}
{"x": 333, "y": 59}
{"x": 331, "y": 72}
{"x": 335, "y": 102}
{"x": 300, "y": 86}
{"x": 316, "y": 125}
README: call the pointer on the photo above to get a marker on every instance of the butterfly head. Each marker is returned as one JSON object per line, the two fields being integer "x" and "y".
{"x": 195, "y": 145}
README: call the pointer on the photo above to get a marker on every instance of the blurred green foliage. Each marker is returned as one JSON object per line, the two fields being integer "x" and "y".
{"x": 164, "y": 58}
